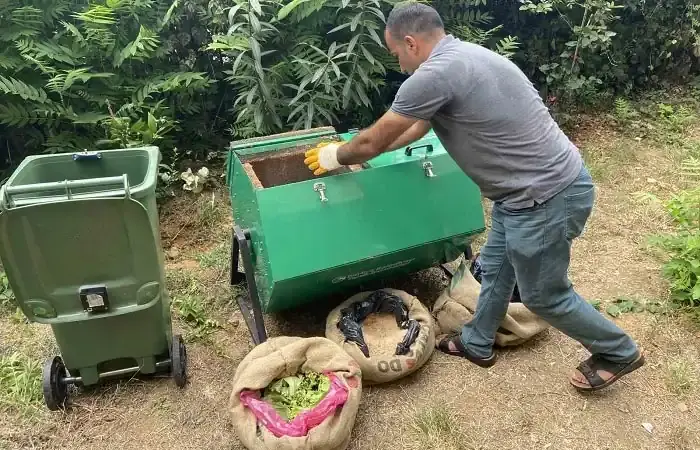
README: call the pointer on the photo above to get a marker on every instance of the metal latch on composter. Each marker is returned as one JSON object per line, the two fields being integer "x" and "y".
{"x": 428, "y": 168}
{"x": 427, "y": 165}
{"x": 321, "y": 189}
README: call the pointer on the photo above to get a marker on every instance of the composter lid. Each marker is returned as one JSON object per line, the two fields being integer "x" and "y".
{"x": 74, "y": 259}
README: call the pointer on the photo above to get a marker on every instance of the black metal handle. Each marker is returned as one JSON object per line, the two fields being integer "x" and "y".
{"x": 252, "y": 310}
{"x": 428, "y": 149}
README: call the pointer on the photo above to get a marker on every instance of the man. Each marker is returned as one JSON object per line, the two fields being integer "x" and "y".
{"x": 495, "y": 126}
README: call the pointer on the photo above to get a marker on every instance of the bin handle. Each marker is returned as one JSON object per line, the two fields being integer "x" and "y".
{"x": 67, "y": 185}
{"x": 86, "y": 155}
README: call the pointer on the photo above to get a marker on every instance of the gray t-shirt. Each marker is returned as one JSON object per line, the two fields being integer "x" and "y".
{"x": 492, "y": 122}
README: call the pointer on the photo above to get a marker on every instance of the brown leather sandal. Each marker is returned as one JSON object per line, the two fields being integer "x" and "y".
{"x": 443, "y": 346}
{"x": 590, "y": 367}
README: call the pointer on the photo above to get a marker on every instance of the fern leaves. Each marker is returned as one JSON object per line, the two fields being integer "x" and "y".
{"x": 507, "y": 46}
{"x": 22, "y": 114}
{"x": 690, "y": 168}
{"x": 141, "y": 48}
{"x": 63, "y": 81}
{"x": 96, "y": 22}
{"x": 299, "y": 10}
{"x": 471, "y": 17}
{"x": 179, "y": 81}
{"x": 40, "y": 50}
{"x": 10, "y": 61}
{"x": 29, "y": 18}
{"x": 13, "y": 86}
{"x": 97, "y": 15}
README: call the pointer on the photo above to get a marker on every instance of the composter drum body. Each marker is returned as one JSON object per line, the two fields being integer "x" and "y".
{"x": 305, "y": 237}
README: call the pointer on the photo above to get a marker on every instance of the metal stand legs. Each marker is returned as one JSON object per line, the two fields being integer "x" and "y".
{"x": 250, "y": 307}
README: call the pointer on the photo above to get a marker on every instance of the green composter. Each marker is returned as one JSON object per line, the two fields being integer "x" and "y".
{"x": 80, "y": 245}
{"x": 303, "y": 237}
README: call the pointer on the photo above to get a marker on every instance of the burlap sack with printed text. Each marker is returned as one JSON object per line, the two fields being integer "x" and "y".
{"x": 382, "y": 336}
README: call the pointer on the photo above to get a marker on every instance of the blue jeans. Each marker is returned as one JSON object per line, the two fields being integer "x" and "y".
{"x": 533, "y": 246}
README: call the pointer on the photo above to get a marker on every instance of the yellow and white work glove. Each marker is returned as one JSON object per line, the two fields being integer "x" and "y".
{"x": 323, "y": 158}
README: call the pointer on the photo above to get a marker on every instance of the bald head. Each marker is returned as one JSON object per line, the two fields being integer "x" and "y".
{"x": 412, "y": 18}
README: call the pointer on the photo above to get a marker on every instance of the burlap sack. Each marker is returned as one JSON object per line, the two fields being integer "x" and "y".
{"x": 286, "y": 356}
{"x": 382, "y": 335}
{"x": 456, "y": 306}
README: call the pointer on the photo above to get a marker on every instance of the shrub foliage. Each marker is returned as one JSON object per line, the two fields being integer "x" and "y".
{"x": 194, "y": 74}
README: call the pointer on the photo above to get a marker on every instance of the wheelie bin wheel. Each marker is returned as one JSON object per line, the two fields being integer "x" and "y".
{"x": 179, "y": 361}
{"x": 54, "y": 386}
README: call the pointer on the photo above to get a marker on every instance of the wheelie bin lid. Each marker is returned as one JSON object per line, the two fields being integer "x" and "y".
{"x": 61, "y": 256}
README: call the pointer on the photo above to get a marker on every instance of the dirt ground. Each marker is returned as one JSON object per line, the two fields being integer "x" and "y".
{"x": 523, "y": 402}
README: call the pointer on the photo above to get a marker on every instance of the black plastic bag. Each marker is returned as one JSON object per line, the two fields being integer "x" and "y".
{"x": 410, "y": 337}
{"x": 477, "y": 270}
{"x": 351, "y": 318}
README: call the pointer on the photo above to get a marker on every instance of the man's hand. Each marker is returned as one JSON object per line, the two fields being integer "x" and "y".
{"x": 323, "y": 158}
{"x": 391, "y": 130}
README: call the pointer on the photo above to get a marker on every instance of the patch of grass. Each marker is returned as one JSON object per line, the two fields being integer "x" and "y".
{"x": 674, "y": 120}
{"x": 624, "y": 112}
{"x": 680, "y": 377}
{"x": 692, "y": 149}
{"x": 437, "y": 427}
{"x": 654, "y": 118}
{"x": 191, "y": 309}
{"x": 209, "y": 288}
{"x": 216, "y": 258}
{"x": 210, "y": 214}
{"x": 597, "y": 171}
{"x": 604, "y": 160}
{"x": 624, "y": 304}
{"x": 20, "y": 384}
{"x": 181, "y": 282}
{"x": 189, "y": 305}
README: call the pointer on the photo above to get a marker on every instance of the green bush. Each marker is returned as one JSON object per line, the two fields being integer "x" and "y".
{"x": 194, "y": 74}
{"x": 683, "y": 267}
{"x": 74, "y": 75}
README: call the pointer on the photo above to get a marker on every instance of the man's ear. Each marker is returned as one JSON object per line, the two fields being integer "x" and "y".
{"x": 410, "y": 42}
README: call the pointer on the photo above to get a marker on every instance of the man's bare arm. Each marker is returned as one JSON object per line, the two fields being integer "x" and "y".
{"x": 417, "y": 131}
{"x": 376, "y": 139}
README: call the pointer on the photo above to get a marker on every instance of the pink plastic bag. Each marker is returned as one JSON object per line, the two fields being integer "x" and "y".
{"x": 303, "y": 422}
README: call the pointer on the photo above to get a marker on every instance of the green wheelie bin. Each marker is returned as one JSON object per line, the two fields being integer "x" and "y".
{"x": 79, "y": 242}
